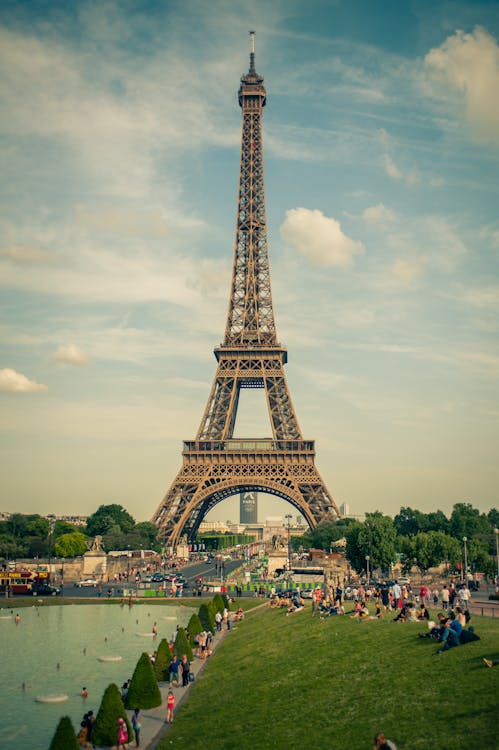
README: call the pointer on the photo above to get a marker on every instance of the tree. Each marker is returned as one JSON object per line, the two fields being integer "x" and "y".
{"x": 437, "y": 521}
{"x": 64, "y": 527}
{"x": 182, "y": 645}
{"x": 207, "y": 617}
{"x": 143, "y": 691}
{"x": 194, "y": 627}
{"x": 65, "y": 736}
{"x": 148, "y": 532}
{"x": 354, "y": 552}
{"x": 105, "y": 731}
{"x": 219, "y": 603}
{"x": 430, "y": 549}
{"x": 493, "y": 518}
{"x": 409, "y": 522}
{"x": 467, "y": 521}
{"x": 71, "y": 545}
{"x": 108, "y": 516}
{"x": 162, "y": 661}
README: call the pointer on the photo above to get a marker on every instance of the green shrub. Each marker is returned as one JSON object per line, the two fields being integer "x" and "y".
{"x": 219, "y": 603}
{"x": 194, "y": 626}
{"x": 182, "y": 645}
{"x": 163, "y": 657}
{"x": 105, "y": 731}
{"x": 143, "y": 691}
{"x": 207, "y": 618}
{"x": 64, "y": 737}
{"x": 226, "y": 601}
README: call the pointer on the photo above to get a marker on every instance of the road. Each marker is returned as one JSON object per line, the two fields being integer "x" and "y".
{"x": 207, "y": 571}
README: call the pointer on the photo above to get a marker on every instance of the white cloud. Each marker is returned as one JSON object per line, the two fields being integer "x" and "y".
{"x": 15, "y": 382}
{"x": 319, "y": 238}
{"x": 70, "y": 355}
{"x": 391, "y": 168}
{"x": 467, "y": 68}
{"x": 406, "y": 270}
{"x": 378, "y": 213}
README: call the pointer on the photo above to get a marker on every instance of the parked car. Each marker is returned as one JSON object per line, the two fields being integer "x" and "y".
{"x": 87, "y": 582}
{"x": 45, "y": 589}
{"x": 157, "y": 578}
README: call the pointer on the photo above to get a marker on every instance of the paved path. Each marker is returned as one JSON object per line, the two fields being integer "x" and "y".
{"x": 153, "y": 726}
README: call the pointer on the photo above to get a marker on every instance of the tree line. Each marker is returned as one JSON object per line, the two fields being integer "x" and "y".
{"x": 32, "y": 536}
{"x": 413, "y": 538}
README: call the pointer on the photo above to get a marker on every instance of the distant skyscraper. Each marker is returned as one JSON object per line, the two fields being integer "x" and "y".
{"x": 345, "y": 509}
{"x": 248, "y": 507}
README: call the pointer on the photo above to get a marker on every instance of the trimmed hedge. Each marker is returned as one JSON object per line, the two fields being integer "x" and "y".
{"x": 219, "y": 603}
{"x": 182, "y": 645}
{"x": 163, "y": 657}
{"x": 207, "y": 617}
{"x": 65, "y": 736}
{"x": 105, "y": 731}
{"x": 143, "y": 691}
{"x": 194, "y": 627}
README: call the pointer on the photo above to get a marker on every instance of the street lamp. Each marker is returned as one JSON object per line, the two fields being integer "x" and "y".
{"x": 496, "y": 532}
{"x": 288, "y": 518}
{"x": 367, "y": 568}
{"x": 465, "y": 539}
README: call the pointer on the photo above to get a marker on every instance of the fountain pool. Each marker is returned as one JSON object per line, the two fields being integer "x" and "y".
{"x": 57, "y": 650}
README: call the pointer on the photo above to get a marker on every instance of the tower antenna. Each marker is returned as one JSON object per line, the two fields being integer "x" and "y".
{"x": 252, "y": 52}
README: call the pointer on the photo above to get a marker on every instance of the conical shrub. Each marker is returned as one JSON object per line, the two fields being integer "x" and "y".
{"x": 226, "y": 601}
{"x": 105, "y": 730}
{"x": 182, "y": 645}
{"x": 65, "y": 736}
{"x": 163, "y": 658}
{"x": 194, "y": 626}
{"x": 207, "y": 618}
{"x": 219, "y": 603}
{"x": 143, "y": 691}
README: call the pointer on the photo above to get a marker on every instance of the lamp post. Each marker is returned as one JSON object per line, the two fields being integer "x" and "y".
{"x": 367, "y": 568}
{"x": 288, "y": 519}
{"x": 465, "y": 539}
{"x": 496, "y": 532}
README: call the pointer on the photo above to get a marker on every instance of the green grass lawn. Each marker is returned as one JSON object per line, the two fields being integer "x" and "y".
{"x": 301, "y": 682}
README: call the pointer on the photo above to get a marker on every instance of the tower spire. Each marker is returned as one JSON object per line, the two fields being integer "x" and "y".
{"x": 252, "y": 71}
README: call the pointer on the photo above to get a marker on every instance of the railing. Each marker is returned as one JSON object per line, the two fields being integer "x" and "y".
{"x": 253, "y": 446}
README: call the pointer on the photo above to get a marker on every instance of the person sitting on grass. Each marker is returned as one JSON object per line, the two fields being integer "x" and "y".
{"x": 361, "y": 613}
{"x": 423, "y": 612}
{"x": 491, "y": 662}
{"x": 381, "y": 743}
{"x": 296, "y": 604}
{"x": 462, "y": 617}
{"x": 451, "y": 633}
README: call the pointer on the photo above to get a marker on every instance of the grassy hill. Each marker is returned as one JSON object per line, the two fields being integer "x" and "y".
{"x": 285, "y": 682}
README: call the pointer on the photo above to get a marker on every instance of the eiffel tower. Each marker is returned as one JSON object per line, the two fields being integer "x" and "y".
{"x": 216, "y": 465}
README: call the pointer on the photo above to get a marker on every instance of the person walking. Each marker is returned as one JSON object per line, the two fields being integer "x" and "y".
{"x": 122, "y": 734}
{"x": 136, "y": 725}
{"x": 445, "y": 597}
{"x": 186, "y": 668}
{"x": 173, "y": 670}
{"x": 170, "y": 707}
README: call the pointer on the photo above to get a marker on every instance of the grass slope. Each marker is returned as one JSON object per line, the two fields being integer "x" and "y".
{"x": 280, "y": 682}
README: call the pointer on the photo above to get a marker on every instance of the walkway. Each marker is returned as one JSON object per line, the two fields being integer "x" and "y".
{"x": 153, "y": 727}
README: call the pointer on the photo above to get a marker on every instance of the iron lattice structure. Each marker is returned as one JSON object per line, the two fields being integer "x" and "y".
{"x": 215, "y": 464}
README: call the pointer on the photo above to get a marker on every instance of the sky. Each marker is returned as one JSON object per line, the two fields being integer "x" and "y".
{"x": 119, "y": 146}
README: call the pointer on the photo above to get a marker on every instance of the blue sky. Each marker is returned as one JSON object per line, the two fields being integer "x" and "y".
{"x": 119, "y": 138}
